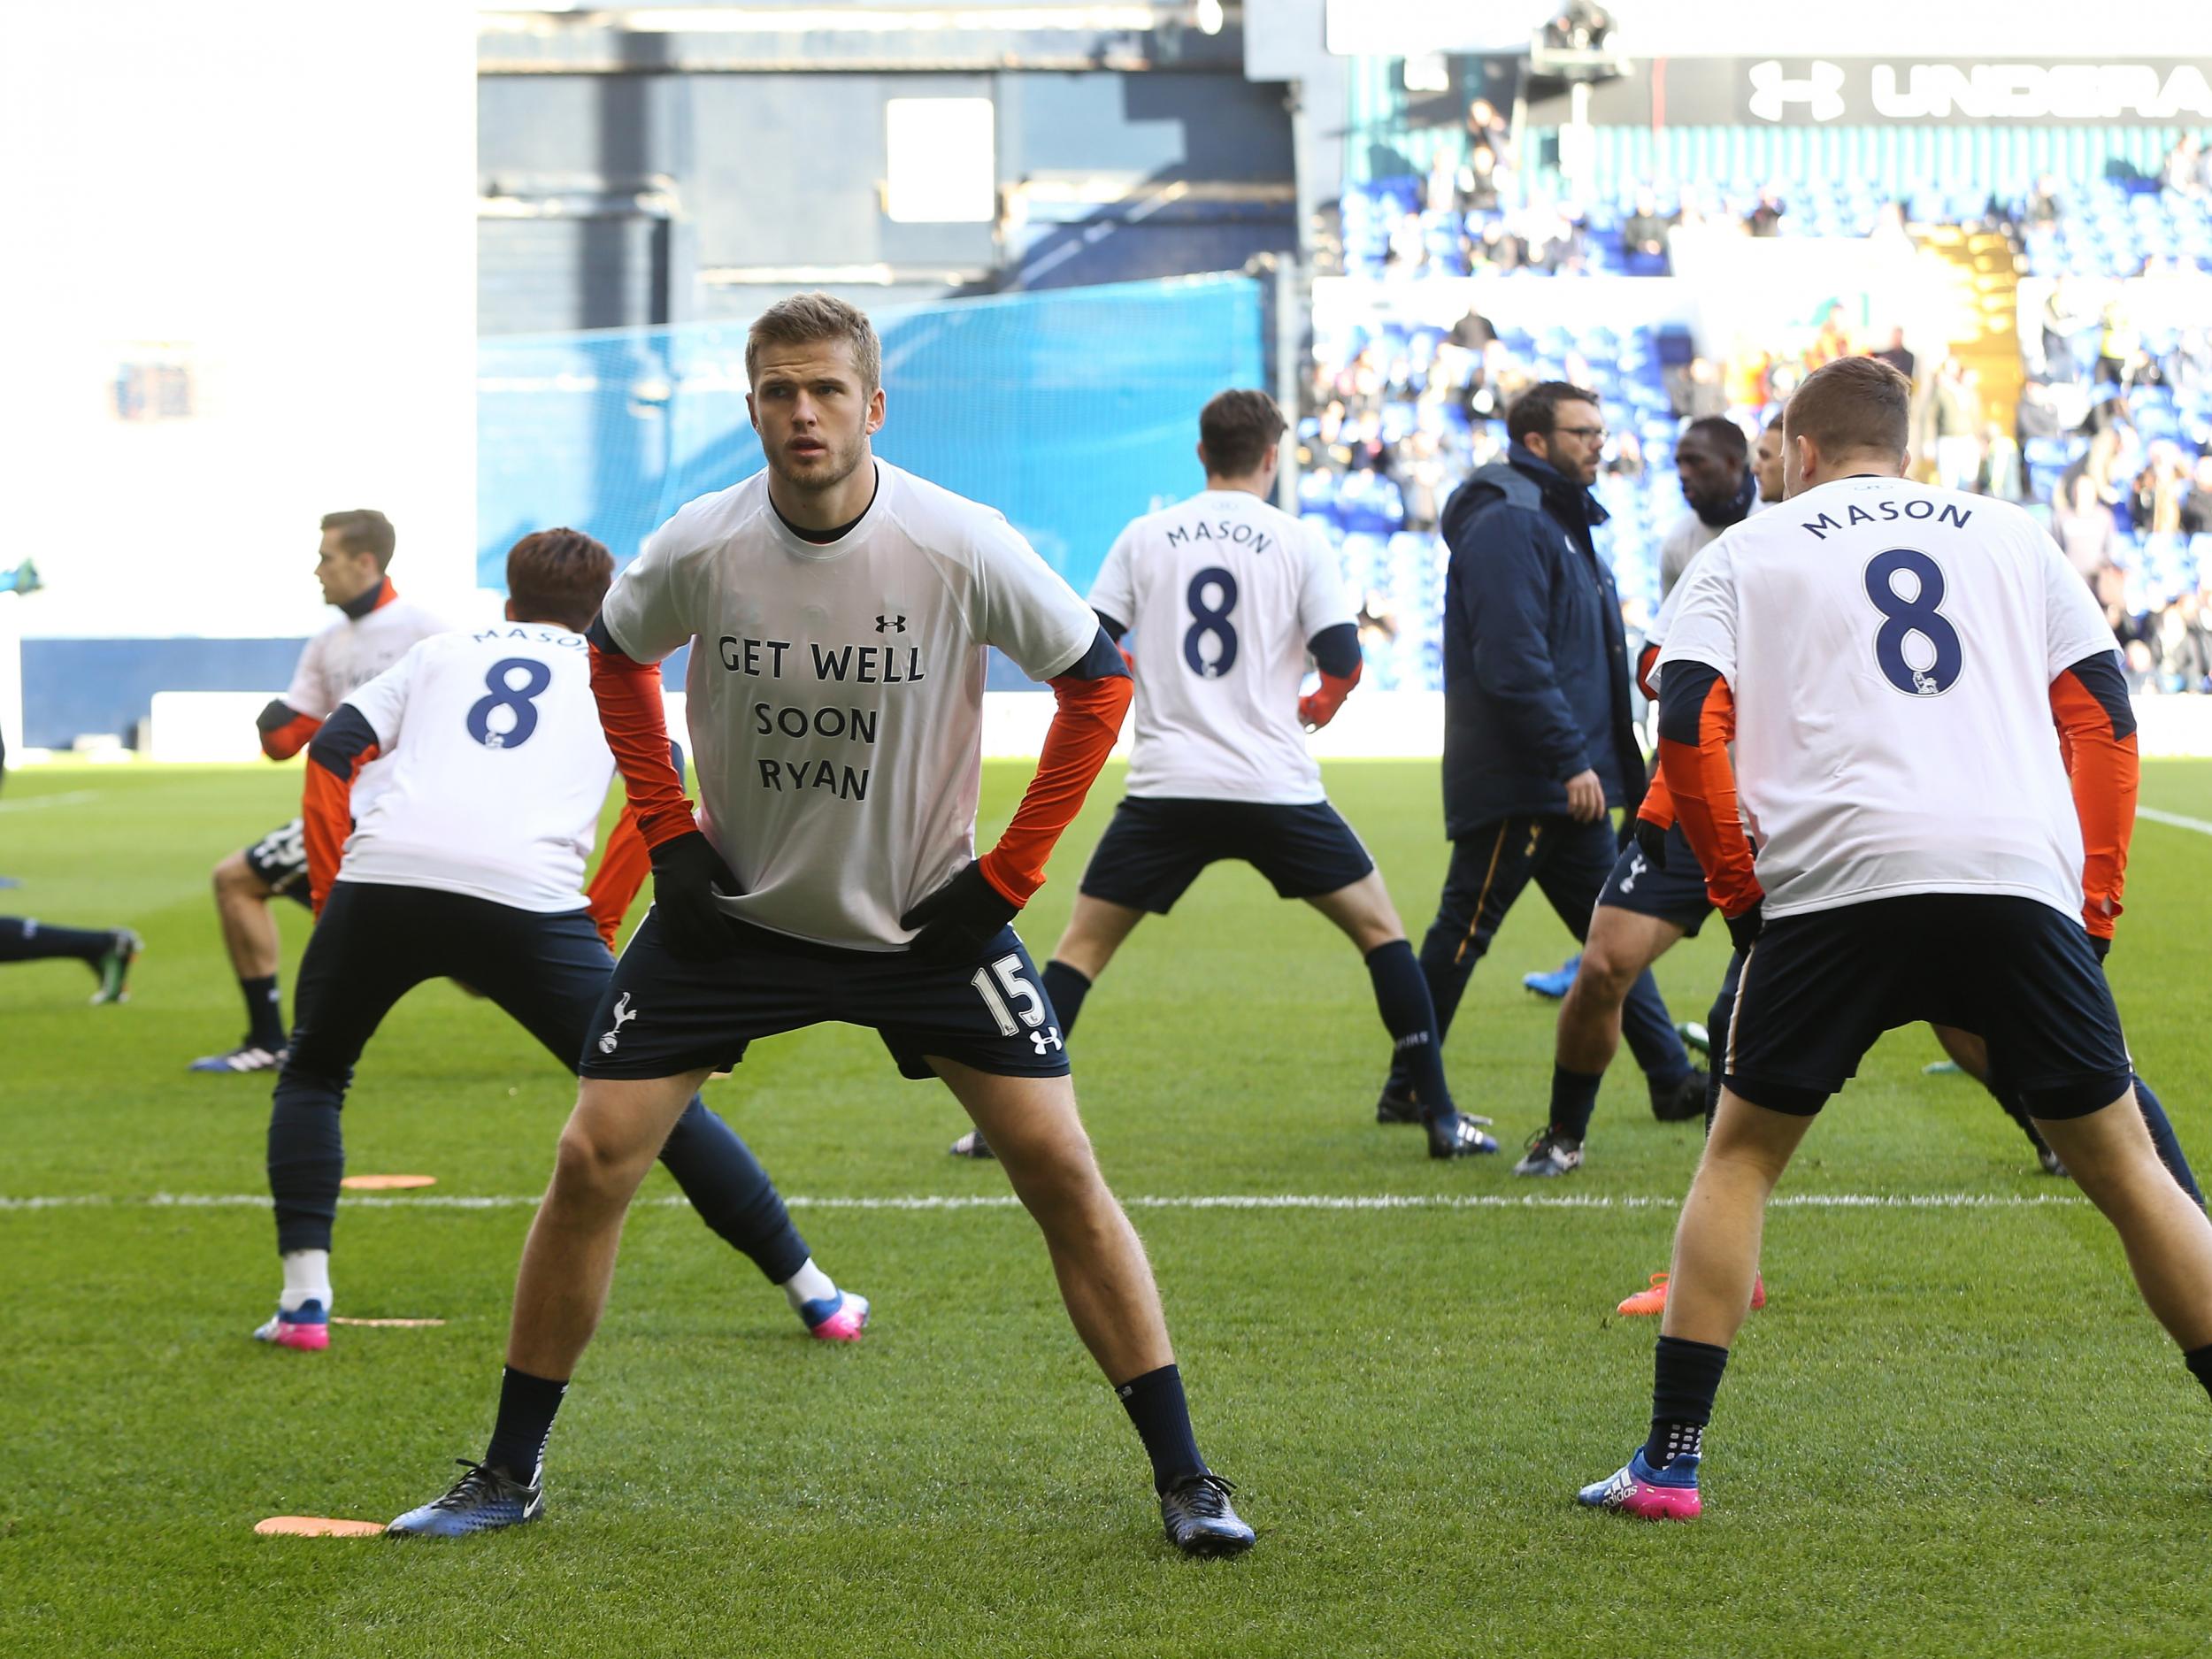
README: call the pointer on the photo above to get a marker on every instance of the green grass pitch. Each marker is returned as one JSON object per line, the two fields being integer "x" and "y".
{"x": 1953, "y": 1430}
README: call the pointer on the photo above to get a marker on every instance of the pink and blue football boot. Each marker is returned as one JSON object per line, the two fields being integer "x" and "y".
{"x": 306, "y": 1328}
{"x": 841, "y": 1318}
{"x": 1648, "y": 1493}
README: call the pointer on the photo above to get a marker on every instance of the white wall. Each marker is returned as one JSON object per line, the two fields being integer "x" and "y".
{"x": 281, "y": 193}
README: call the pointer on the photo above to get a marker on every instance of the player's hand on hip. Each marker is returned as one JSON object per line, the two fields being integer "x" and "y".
{"x": 687, "y": 874}
{"x": 1586, "y": 798}
{"x": 960, "y": 918}
{"x": 1651, "y": 841}
{"x": 1745, "y": 928}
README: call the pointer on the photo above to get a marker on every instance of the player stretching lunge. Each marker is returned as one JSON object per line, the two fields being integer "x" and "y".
{"x": 1227, "y": 594}
{"x": 1888, "y": 660}
{"x": 374, "y": 631}
{"x": 466, "y": 863}
{"x": 838, "y": 610}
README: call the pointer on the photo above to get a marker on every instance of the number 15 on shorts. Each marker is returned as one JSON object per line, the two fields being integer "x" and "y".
{"x": 1008, "y": 972}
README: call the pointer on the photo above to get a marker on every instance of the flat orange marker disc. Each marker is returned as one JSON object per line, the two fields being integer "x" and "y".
{"x": 390, "y": 1324}
{"x": 316, "y": 1526}
{"x": 386, "y": 1183}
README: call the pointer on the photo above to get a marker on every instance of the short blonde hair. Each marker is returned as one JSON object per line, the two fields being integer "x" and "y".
{"x": 804, "y": 318}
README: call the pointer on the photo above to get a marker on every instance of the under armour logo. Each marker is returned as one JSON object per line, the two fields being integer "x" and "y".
{"x": 1049, "y": 1037}
{"x": 1821, "y": 89}
{"x": 891, "y": 625}
{"x": 622, "y": 1016}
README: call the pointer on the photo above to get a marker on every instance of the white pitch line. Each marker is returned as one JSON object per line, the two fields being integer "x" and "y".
{"x": 1192, "y": 1201}
{"x": 2174, "y": 818}
{"x": 34, "y": 802}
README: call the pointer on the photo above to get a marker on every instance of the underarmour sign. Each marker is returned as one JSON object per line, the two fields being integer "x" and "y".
{"x": 1820, "y": 88}
{"x": 891, "y": 625}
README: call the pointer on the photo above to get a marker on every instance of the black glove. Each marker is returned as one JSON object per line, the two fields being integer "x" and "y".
{"x": 1745, "y": 928}
{"x": 687, "y": 874}
{"x": 959, "y": 918}
{"x": 2102, "y": 946}
{"x": 1651, "y": 841}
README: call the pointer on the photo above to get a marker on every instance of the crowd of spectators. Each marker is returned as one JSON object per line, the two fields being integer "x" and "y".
{"x": 1396, "y": 420}
{"x": 2112, "y": 441}
{"x": 2130, "y": 490}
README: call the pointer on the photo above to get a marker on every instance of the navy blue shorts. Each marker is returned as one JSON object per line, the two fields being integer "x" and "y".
{"x": 1155, "y": 849}
{"x": 279, "y": 858}
{"x": 1676, "y": 894}
{"x": 662, "y": 1015}
{"x": 1817, "y": 989}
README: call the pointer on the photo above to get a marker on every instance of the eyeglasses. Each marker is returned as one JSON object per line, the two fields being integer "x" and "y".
{"x": 1596, "y": 433}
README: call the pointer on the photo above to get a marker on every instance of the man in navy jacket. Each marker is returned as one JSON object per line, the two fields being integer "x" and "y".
{"x": 1539, "y": 745}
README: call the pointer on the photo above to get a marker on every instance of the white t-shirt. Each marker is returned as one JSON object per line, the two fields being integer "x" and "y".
{"x": 349, "y": 654}
{"x": 1890, "y": 740}
{"x": 836, "y": 691}
{"x": 1220, "y": 595}
{"x": 493, "y": 768}
{"x": 1685, "y": 539}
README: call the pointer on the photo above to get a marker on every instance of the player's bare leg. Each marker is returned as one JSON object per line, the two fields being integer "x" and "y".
{"x": 1094, "y": 932}
{"x": 1971, "y": 1056}
{"x": 1716, "y": 1243}
{"x": 1622, "y": 944}
{"x": 611, "y": 1140}
{"x": 1715, "y": 1264}
{"x": 1032, "y": 1125}
{"x": 2168, "y": 1238}
{"x": 1106, "y": 1284}
{"x": 1363, "y": 911}
{"x": 250, "y": 937}
{"x": 1620, "y": 948}
{"x": 250, "y": 932}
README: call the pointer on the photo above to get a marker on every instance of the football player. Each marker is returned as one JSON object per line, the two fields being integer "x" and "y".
{"x": 466, "y": 863}
{"x": 375, "y": 629}
{"x": 839, "y": 611}
{"x": 1228, "y": 596}
{"x": 1888, "y": 661}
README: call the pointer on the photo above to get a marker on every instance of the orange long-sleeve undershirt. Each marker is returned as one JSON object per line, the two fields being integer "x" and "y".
{"x": 1084, "y": 724}
{"x": 2105, "y": 769}
{"x": 1697, "y": 723}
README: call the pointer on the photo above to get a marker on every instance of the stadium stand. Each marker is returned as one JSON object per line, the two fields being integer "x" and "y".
{"x": 2113, "y": 434}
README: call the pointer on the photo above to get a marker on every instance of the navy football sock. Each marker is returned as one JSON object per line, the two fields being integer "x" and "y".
{"x": 2198, "y": 1361}
{"x": 1686, "y": 1376}
{"x": 1402, "y": 997}
{"x": 23, "y": 940}
{"x": 264, "y": 1012}
{"x": 2162, "y": 1137}
{"x": 732, "y": 1193}
{"x": 306, "y": 1158}
{"x": 1574, "y": 1096}
{"x": 1065, "y": 989}
{"x": 1155, "y": 1403}
{"x": 526, "y": 1407}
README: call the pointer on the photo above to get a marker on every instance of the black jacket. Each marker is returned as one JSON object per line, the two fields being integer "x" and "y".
{"x": 1536, "y": 671}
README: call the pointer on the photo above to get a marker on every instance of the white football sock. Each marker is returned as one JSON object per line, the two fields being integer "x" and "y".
{"x": 809, "y": 1284}
{"x": 306, "y": 1278}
